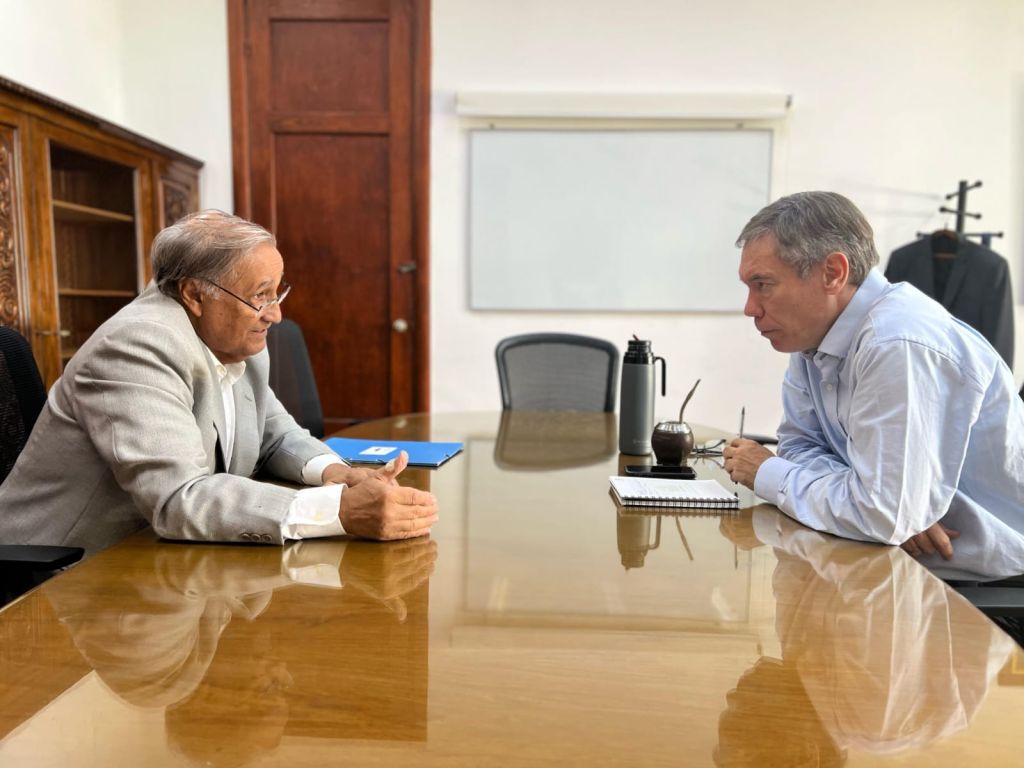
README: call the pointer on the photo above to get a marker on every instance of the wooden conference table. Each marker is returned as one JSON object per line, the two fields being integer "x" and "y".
{"x": 536, "y": 626}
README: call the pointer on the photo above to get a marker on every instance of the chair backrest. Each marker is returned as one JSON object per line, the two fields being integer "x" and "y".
{"x": 22, "y": 396}
{"x": 291, "y": 376}
{"x": 557, "y": 372}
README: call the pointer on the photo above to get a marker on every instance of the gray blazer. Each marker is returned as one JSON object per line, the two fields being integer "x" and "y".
{"x": 130, "y": 435}
{"x": 978, "y": 291}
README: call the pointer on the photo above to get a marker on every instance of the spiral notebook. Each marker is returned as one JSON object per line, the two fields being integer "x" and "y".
{"x": 661, "y": 492}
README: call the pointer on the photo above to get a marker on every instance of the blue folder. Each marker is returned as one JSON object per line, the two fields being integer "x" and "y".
{"x": 382, "y": 451}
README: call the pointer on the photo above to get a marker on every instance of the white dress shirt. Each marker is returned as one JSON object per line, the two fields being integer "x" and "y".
{"x": 903, "y": 417}
{"x": 314, "y": 512}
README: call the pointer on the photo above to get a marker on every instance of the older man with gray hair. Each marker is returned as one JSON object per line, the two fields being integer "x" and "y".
{"x": 901, "y": 424}
{"x": 165, "y": 415}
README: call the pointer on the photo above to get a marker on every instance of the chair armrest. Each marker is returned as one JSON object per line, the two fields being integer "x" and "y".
{"x": 996, "y": 601}
{"x": 38, "y": 557}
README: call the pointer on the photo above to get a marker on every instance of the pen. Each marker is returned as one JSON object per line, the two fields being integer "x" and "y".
{"x": 743, "y": 416}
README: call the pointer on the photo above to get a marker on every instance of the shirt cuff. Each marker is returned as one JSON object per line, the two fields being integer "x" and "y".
{"x": 313, "y": 472}
{"x": 314, "y": 513}
{"x": 316, "y": 563}
{"x": 769, "y": 479}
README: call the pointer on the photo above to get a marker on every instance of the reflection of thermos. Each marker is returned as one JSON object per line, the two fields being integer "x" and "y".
{"x": 633, "y": 534}
{"x": 636, "y": 410}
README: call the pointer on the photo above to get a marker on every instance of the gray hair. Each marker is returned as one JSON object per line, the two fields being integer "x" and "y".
{"x": 206, "y": 245}
{"x": 808, "y": 226}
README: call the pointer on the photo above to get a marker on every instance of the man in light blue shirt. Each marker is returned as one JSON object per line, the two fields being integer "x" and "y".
{"x": 901, "y": 424}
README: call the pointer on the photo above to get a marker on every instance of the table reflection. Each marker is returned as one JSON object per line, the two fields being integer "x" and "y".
{"x": 208, "y": 634}
{"x": 743, "y": 639}
{"x": 638, "y": 531}
{"x": 877, "y": 655}
{"x": 636, "y": 535}
{"x": 536, "y": 440}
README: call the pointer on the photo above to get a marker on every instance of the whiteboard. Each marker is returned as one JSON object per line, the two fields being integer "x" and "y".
{"x": 612, "y": 220}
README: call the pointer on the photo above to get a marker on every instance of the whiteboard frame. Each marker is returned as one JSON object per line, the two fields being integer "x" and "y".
{"x": 597, "y": 105}
{"x": 776, "y": 135}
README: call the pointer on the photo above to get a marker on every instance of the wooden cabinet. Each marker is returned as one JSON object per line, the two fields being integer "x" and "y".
{"x": 80, "y": 202}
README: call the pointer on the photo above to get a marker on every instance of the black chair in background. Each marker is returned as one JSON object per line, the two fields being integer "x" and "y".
{"x": 291, "y": 376}
{"x": 557, "y": 372}
{"x": 22, "y": 396}
{"x": 1002, "y": 601}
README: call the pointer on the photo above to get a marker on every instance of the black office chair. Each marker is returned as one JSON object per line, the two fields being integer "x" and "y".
{"x": 291, "y": 376}
{"x": 557, "y": 372}
{"x": 22, "y": 396}
{"x": 1002, "y": 601}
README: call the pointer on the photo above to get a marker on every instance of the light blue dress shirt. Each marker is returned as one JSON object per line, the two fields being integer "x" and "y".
{"x": 903, "y": 417}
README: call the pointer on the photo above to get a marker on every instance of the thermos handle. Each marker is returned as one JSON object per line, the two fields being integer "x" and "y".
{"x": 664, "y": 366}
{"x": 657, "y": 532}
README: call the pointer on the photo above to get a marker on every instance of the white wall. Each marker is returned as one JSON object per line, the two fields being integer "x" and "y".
{"x": 159, "y": 69}
{"x": 43, "y": 45}
{"x": 175, "y": 67}
{"x": 893, "y": 104}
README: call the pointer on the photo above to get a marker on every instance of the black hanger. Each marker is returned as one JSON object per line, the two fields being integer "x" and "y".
{"x": 945, "y": 242}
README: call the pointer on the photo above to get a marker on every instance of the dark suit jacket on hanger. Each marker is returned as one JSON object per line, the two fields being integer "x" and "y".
{"x": 978, "y": 291}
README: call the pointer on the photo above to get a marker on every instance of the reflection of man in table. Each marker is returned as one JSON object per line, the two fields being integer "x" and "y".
{"x": 870, "y": 658}
{"x": 194, "y": 630}
{"x": 239, "y": 709}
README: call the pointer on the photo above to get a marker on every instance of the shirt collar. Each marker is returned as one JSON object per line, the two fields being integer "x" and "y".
{"x": 232, "y": 371}
{"x": 840, "y": 336}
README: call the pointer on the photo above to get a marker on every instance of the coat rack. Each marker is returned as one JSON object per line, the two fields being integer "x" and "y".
{"x": 961, "y": 204}
{"x": 962, "y": 213}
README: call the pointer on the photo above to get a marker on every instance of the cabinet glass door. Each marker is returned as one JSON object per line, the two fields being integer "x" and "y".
{"x": 95, "y": 239}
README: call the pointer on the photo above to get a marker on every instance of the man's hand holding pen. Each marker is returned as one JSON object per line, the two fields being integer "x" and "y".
{"x": 743, "y": 458}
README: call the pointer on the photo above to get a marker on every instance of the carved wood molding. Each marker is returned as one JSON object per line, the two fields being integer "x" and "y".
{"x": 8, "y": 232}
{"x": 177, "y": 201}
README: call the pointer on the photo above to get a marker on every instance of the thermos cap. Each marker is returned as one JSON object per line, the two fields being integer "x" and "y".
{"x": 638, "y": 352}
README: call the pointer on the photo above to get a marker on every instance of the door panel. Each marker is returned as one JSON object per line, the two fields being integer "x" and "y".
{"x": 329, "y": 66}
{"x": 334, "y": 237}
{"x": 331, "y": 102}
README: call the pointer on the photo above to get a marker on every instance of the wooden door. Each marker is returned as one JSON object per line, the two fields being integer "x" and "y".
{"x": 330, "y": 104}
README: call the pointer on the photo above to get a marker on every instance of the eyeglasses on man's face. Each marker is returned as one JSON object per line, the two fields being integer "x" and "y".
{"x": 262, "y": 301}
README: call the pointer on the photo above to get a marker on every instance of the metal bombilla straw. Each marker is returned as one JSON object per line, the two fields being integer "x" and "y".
{"x": 687, "y": 400}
